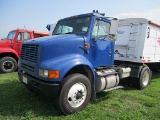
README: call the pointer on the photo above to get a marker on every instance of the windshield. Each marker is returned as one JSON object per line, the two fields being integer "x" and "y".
{"x": 72, "y": 26}
{"x": 11, "y": 35}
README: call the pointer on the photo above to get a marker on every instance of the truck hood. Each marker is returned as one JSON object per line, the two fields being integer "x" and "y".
{"x": 4, "y": 43}
{"x": 48, "y": 39}
{"x": 59, "y": 45}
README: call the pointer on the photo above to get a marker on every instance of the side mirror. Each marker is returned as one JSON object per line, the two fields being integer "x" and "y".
{"x": 113, "y": 30}
{"x": 50, "y": 27}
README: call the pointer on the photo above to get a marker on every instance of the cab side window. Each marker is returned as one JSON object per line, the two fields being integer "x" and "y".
{"x": 26, "y": 36}
{"x": 20, "y": 36}
{"x": 101, "y": 29}
{"x": 23, "y": 36}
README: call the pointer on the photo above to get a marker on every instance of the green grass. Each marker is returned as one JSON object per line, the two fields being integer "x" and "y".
{"x": 17, "y": 102}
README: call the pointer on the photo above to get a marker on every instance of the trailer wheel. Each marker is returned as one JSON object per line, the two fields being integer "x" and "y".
{"x": 8, "y": 64}
{"x": 144, "y": 79}
{"x": 75, "y": 94}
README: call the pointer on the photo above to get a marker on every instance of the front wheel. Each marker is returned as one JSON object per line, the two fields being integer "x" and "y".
{"x": 8, "y": 64}
{"x": 75, "y": 94}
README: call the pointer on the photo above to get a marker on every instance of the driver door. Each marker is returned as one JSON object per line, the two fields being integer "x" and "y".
{"x": 22, "y": 36}
{"x": 101, "y": 49}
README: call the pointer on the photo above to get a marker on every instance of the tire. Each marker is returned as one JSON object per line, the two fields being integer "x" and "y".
{"x": 75, "y": 94}
{"x": 144, "y": 79}
{"x": 8, "y": 64}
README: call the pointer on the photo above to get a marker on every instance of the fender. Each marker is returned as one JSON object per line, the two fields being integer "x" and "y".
{"x": 9, "y": 50}
{"x": 65, "y": 64}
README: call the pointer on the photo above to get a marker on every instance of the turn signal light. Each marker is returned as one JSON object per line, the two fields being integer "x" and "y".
{"x": 53, "y": 74}
{"x": 87, "y": 45}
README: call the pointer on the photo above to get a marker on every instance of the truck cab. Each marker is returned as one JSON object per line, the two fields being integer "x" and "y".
{"x": 14, "y": 39}
{"x": 79, "y": 44}
{"x": 10, "y": 48}
{"x": 75, "y": 63}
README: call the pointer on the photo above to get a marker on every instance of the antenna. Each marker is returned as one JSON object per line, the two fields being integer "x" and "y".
{"x": 25, "y": 33}
{"x": 25, "y": 27}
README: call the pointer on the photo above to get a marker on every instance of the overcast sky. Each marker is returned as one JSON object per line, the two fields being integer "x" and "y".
{"x": 36, "y": 14}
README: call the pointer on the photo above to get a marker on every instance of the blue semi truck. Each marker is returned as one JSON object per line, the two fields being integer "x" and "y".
{"x": 77, "y": 62}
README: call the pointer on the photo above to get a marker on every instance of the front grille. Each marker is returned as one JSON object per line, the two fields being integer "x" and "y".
{"x": 29, "y": 52}
{"x": 30, "y": 68}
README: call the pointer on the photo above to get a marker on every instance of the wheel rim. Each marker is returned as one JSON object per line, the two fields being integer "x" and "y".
{"x": 77, "y": 95}
{"x": 8, "y": 65}
{"x": 145, "y": 78}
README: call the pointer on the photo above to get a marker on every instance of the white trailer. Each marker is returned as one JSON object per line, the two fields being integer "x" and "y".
{"x": 138, "y": 41}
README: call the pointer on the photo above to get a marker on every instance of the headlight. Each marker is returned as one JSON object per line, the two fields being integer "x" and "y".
{"x": 43, "y": 72}
{"x": 49, "y": 73}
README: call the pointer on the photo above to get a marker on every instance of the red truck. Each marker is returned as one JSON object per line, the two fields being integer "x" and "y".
{"x": 10, "y": 48}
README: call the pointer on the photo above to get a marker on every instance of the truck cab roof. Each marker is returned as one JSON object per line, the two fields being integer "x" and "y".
{"x": 99, "y": 15}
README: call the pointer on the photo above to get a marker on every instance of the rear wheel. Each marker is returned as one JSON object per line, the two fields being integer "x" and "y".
{"x": 75, "y": 94}
{"x": 8, "y": 64}
{"x": 144, "y": 80}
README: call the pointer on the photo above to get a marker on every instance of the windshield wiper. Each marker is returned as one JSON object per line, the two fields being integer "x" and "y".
{"x": 69, "y": 33}
{"x": 63, "y": 33}
{"x": 56, "y": 34}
